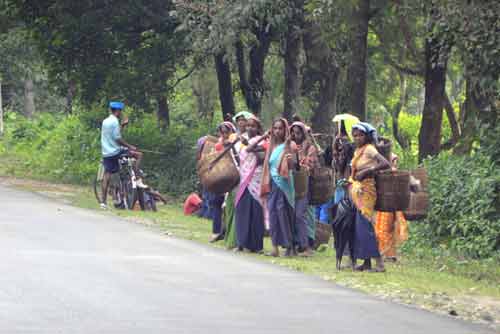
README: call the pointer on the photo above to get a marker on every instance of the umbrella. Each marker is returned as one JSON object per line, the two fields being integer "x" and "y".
{"x": 348, "y": 119}
{"x": 345, "y": 117}
{"x": 343, "y": 229}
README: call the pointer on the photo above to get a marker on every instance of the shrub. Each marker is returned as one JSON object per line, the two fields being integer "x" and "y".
{"x": 463, "y": 213}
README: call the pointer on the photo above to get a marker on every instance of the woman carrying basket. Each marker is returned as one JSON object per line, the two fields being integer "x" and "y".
{"x": 276, "y": 186}
{"x": 365, "y": 163}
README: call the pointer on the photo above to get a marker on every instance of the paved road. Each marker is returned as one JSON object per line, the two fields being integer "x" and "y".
{"x": 67, "y": 270}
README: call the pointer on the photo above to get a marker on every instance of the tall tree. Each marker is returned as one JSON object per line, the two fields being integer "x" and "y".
{"x": 224, "y": 80}
{"x": 436, "y": 61}
{"x": 293, "y": 48}
{"x": 357, "y": 72}
{"x": 252, "y": 79}
{"x": 321, "y": 75}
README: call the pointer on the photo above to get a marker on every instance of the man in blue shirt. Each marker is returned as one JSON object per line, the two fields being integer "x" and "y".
{"x": 113, "y": 146}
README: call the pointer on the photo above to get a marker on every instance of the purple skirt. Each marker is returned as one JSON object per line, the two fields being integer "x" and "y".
{"x": 287, "y": 226}
{"x": 249, "y": 223}
{"x": 365, "y": 240}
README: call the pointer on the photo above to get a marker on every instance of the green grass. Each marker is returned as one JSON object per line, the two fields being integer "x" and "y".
{"x": 421, "y": 277}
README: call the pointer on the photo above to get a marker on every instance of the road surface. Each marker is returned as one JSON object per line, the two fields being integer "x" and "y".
{"x": 69, "y": 270}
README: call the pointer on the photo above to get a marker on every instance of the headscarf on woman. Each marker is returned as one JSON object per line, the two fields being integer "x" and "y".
{"x": 308, "y": 153}
{"x": 250, "y": 171}
{"x": 283, "y": 165}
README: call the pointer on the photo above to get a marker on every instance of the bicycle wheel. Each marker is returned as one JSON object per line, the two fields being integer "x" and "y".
{"x": 98, "y": 183}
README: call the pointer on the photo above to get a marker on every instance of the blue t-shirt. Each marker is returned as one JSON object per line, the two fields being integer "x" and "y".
{"x": 110, "y": 133}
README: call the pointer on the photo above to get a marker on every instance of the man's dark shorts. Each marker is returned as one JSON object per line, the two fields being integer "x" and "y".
{"x": 112, "y": 164}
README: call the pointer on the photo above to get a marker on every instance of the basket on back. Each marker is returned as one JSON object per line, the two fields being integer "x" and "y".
{"x": 322, "y": 185}
{"x": 220, "y": 178}
{"x": 393, "y": 190}
{"x": 419, "y": 201}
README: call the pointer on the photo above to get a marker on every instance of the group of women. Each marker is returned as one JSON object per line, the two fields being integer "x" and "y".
{"x": 265, "y": 201}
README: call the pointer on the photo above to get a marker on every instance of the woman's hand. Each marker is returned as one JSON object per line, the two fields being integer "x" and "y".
{"x": 243, "y": 140}
{"x": 363, "y": 174}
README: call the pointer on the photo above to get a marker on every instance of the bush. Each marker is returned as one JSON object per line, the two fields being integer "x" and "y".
{"x": 67, "y": 148}
{"x": 463, "y": 214}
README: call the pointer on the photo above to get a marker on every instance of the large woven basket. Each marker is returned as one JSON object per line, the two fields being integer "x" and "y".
{"x": 421, "y": 175}
{"x": 384, "y": 147}
{"x": 417, "y": 209}
{"x": 300, "y": 183}
{"x": 393, "y": 190}
{"x": 321, "y": 185}
{"x": 222, "y": 177}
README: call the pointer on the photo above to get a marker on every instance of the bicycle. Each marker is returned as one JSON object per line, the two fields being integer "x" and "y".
{"x": 123, "y": 186}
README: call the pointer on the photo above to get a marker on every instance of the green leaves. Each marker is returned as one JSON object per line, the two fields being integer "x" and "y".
{"x": 463, "y": 191}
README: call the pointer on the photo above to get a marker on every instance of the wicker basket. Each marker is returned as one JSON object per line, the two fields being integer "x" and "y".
{"x": 384, "y": 147}
{"x": 323, "y": 234}
{"x": 421, "y": 175}
{"x": 300, "y": 183}
{"x": 321, "y": 185}
{"x": 393, "y": 191}
{"x": 222, "y": 177}
{"x": 419, "y": 202}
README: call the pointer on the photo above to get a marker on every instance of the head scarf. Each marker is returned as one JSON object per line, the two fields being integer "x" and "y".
{"x": 201, "y": 142}
{"x": 244, "y": 114}
{"x": 367, "y": 129}
{"x": 266, "y": 174}
{"x": 227, "y": 125}
{"x": 259, "y": 123}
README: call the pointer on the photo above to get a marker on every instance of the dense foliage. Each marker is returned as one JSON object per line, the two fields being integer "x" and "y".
{"x": 67, "y": 149}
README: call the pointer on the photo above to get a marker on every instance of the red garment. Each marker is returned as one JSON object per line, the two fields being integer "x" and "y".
{"x": 192, "y": 204}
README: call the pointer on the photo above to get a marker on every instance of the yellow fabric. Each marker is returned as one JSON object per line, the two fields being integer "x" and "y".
{"x": 363, "y": 193}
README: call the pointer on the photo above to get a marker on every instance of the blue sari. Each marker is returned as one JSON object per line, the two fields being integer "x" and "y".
{"x": 288, "y": 225}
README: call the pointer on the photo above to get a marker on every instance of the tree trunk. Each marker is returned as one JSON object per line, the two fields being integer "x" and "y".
{"x": 469, "y": 121}
{"x": 29, "y": 98}
{"x": 429, "y": 140}
{"x": 252, "y": 84}
{"x": 455, "y": 127}
{"x": 292, "y": 61}
{"x": 1, "y": 110}
{"x": 321, "y": 74}
{"x": 402, "y": 140}
{"x": 357, "y": 71}
{"x": 225, "y": 84}
{"x": 163, "y": 112}
{"x": 70, "y": 94}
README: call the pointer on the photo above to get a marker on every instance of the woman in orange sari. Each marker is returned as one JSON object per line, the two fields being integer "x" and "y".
{"x": 391, "y": 228}
{"x": 365, "y": 163}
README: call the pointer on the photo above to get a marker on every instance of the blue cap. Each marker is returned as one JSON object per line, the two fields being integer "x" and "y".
{"x": 116, "y": 105}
